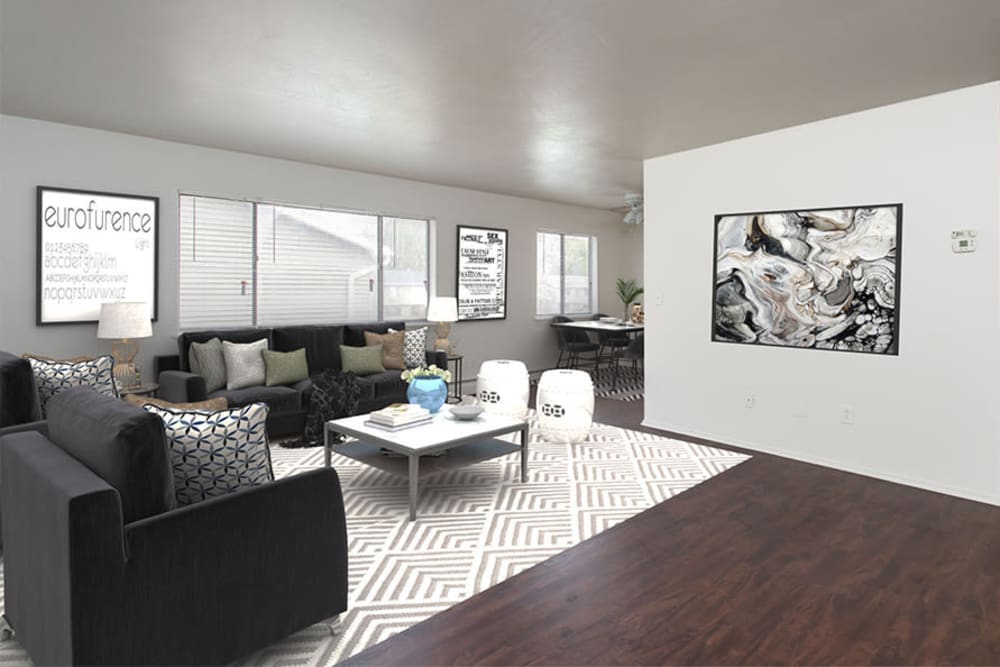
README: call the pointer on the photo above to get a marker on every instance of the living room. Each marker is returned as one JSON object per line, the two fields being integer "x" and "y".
{"x": 491, "y": 115}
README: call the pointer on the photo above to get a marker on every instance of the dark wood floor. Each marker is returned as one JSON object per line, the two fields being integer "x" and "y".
{"x": 772, "y": 562}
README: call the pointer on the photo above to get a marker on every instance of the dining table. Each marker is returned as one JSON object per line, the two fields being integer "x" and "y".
{"x": 598, "y": 326}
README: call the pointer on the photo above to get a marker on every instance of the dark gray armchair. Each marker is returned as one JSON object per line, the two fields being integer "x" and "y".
{"x": 19, "y": 408}
{"x": 100, "y": 567}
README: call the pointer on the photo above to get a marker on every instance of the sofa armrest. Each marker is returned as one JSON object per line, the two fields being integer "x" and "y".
{"x": 234, "y": 573}
{"x": 438, "y": 358}
{"x": 182, "y": 387}
{"x": 63, "y": 545}
{"x": 41, "y": 426}
{"x": 166, "y": 362}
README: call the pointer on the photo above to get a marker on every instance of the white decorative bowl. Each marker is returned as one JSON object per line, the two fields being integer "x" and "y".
{"x": 610, "y": 320}
{"x": 466, "y": 412}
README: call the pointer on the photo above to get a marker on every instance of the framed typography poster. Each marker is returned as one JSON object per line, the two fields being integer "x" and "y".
{"x": 481, "y": 273}
{"x": 94, "y": 248}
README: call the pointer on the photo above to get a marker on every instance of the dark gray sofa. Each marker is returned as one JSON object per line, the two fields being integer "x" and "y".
{"x": 100, "y": 568}
{"x": 289, "y": 404}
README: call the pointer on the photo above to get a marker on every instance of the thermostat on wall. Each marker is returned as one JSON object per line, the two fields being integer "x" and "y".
{"x": 963, "y": 240}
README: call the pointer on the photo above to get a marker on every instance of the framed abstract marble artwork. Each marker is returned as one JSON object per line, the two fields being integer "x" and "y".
{"x": 812, "y": 278}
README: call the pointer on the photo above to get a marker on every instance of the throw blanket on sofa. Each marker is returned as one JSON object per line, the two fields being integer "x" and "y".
{"x": 334, "y": 395}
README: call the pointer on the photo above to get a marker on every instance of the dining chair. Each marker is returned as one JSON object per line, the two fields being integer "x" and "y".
{"x": 635, "y": 353}
{"x": 573, "y": 344}
{"x": 613, "y": 341}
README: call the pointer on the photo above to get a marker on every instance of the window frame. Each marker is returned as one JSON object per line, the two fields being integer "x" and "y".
{"x": 380, "y": 216}
{"x": 591, "y": 272}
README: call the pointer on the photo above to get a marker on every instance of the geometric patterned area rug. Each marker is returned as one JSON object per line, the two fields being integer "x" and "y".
{"x": 629, "y": 386}
{"x": 476, "y": 526}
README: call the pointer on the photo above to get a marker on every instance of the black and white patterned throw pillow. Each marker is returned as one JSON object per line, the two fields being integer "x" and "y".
{"x": 52, "y": 377}
{"x": 414, "y": 347}
{"x": 216, "y": 453}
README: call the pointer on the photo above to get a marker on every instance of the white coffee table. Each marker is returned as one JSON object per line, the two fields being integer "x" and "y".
{"x": 473, "y": 441}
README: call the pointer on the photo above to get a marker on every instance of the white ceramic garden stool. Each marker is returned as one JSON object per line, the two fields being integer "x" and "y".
{"x": 565, "y": 405}
{"x": 502, "y": 387}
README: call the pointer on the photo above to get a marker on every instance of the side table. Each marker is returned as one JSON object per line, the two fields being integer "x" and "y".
{"x": 140, "y": 390}
{"x": 455, "y": 361}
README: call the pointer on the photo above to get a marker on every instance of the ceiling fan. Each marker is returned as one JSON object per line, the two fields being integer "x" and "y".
{"x": 634, "y": 202}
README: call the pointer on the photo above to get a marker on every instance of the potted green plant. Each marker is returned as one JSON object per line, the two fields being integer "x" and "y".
{"x": 428, "y": 386}
{"x": 628, "y": 291}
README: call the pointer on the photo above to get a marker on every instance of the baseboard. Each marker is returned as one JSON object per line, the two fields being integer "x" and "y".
{"x": 751, "y": 447}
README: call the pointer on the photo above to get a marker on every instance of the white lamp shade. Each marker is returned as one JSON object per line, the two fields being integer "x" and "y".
{"x": 442, "y": 309}
{"x": 125, "y": 319}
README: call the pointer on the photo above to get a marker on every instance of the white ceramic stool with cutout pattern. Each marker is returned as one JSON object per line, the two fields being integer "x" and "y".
{"x": 565, "y": 405}
{"x": 502, "y": 387}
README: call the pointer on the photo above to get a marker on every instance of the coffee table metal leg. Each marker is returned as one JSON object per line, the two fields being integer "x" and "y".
{"x": 524, "y": 454}
{"x": 414, "y": 476}
{"x": 326, "y": 446}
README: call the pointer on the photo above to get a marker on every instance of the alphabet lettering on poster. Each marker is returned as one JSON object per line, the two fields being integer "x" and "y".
{"x": 94, "y": 247}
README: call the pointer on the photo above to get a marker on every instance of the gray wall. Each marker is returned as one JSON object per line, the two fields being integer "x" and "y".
{"x": 36, "y": 153}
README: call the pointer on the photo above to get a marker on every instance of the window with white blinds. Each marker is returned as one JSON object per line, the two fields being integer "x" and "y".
{"x": 565, "y": 274}
{"x": 316, "y": 266}
{"x": 312, "y": 265}
{"x": 216, "y": 263}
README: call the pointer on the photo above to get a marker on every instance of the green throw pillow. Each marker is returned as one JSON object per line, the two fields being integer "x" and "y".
{"x": 285, "y": 367}
{"x": 361, "y": 360}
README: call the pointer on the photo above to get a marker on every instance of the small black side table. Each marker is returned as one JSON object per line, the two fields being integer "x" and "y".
{"x": 455, "y": 362}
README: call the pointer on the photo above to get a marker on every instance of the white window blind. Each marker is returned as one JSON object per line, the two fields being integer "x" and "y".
{"x": 312, "y": 265}
{"x": 316, "y": 266}
{"x": 216, "y": 263}
{"x": 565, "y": 274}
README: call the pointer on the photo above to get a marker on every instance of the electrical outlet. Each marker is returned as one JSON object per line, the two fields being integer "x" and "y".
{"x": 748, "y": 401}
{"x": 846, "y": 415}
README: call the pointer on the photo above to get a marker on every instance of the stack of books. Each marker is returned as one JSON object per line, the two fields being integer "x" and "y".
{"x": 399, "y": 416}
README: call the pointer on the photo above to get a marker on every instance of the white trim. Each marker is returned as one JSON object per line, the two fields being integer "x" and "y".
{"x": 924, "y": 485}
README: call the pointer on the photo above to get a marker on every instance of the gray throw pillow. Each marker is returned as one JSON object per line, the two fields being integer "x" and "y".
{"x": 206, "y": 359}
{"x": 244, "y": 364}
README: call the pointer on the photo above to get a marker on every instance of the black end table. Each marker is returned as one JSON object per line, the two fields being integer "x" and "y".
{"x": 455, "y": 362}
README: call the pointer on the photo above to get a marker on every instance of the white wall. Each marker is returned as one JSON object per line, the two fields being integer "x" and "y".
{"x": 925, "y": 418}
{"x": 36, "y": 153}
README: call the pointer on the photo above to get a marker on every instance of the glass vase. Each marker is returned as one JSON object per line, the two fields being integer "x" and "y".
{"x": 427, "y": 392}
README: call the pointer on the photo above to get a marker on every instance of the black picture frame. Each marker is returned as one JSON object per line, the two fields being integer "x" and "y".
{"x": 893, "y": 349}
{"x": 468, "y": 238}
{"x": 98, "y": 224}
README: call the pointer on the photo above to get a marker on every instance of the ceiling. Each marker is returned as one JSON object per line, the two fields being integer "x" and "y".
{"x": 558, "y": 100}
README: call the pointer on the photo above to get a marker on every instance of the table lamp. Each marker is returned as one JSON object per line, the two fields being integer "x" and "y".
{"x": 444, "y": 311}
{"x": 124, "y": 322}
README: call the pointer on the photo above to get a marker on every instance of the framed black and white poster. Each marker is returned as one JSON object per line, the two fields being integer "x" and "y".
{"x": 814, "y": 278}
{"x": 481, "y": 273}
{"x": 94, "y": 248}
